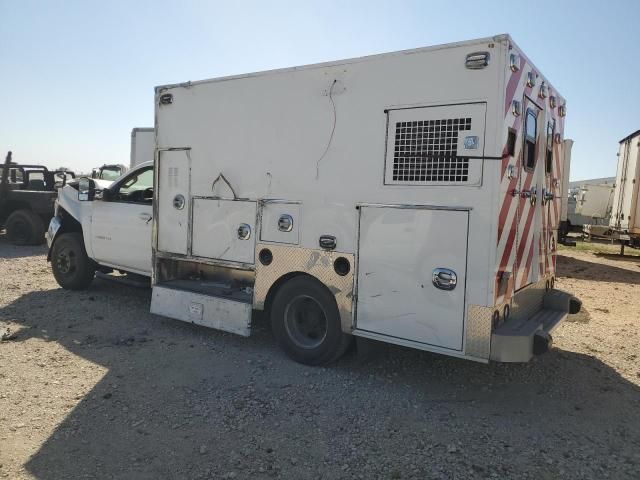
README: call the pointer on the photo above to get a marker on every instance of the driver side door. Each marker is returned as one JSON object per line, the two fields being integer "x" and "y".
{"x": 121, "y": 225}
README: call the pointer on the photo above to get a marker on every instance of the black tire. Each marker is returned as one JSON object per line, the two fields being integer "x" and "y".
{"x": 306, "y": 322}
{"x": 25, "y": 228}
{"x": 71, "y": 266}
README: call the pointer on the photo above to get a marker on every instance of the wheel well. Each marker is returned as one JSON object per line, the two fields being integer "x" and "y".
{"x": 11, "y": 207}
{"x": 281, "y": 281}
{"x": 69, "y": 224}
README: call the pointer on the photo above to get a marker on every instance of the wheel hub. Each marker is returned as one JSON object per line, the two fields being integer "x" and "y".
{"x": 305, "y": 322}
{"x": 65, "y": 261}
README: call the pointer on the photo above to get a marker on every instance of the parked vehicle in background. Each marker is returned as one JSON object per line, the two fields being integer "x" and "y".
{"x": 27, "y": 196}
{"x": 108, "y": 172}
{"x": 143, "y": 144}
{"x": 625, "y": 217}
{"x": 112, "y": 232}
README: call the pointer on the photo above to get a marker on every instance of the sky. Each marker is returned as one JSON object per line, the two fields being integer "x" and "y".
{"x": 77, "y": 76}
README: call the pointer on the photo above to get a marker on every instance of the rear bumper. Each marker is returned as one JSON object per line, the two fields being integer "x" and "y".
{"x": 522, "y": 336}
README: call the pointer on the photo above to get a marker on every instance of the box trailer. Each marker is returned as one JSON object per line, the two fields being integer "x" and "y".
{"x": 143, "y": 144}
{"x": 625, "y": 218}
{"x": 564, "y": 224}
{"x": 411, "y": 197}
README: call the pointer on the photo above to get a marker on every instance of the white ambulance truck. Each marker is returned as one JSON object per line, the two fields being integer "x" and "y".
{"x": 143, "y": 144}
{"x": 625, "y": 216}
{"x": 410, "y": 197}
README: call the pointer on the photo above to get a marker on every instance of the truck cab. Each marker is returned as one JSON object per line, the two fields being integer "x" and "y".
{"x": 102, "y": 226}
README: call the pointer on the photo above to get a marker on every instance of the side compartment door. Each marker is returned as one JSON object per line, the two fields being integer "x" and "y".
{"x": 224, "y": 229}
{"x": 174, "y": 172}
{"x": 411, "y": 273}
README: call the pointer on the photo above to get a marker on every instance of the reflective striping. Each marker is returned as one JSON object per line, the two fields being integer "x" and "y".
{"x": 520, "y": 230}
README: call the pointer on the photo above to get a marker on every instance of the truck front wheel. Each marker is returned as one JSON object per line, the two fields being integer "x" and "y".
{"x": 25, "y": 228}
{"x": 72, "y": 268}
{"x": 306, "y": 322}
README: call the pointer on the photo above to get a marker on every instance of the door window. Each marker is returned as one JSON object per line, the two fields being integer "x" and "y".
{"x": 531, "y": 131}
{"x": 136, "y": 188}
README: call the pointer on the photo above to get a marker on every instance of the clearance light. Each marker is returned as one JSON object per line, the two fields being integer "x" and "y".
{"x": 516, "y": 108}
{"x": 562, "y": 110}
{"x": 552, "y": 101}
{"x": 544, "y": 91}
{"x": 514, "y": 62}
{"x": 531, "y": 79}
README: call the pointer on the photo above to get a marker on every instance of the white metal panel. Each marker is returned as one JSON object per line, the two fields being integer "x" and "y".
{"x": 399, "y": 250}
{"x": 566, "y": 169}
{"x": 212, "y": 312}
{"x": 173, "y": 181}
{"x": 215, "y": 229}
{"x": 626, "y": 199}
{"x": 594, "y": 201}
{"x": 270, "y": 230}
{"x": 143, "y": 144}
{"x": 121, "y": 235}
{"x": 420, "y": 143}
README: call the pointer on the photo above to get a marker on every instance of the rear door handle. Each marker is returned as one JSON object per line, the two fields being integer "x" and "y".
{"x": 145, "y": 216}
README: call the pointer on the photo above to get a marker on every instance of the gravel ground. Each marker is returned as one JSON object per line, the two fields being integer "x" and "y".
{"x": 94, "y": 386}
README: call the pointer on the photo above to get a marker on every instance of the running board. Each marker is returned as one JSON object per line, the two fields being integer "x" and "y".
{"x": 130, "y": 279}
{"x": 210, "y": 311}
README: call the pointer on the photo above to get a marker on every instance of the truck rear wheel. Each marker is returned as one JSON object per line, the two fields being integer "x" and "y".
{"x": 25, "y": 228}
{"x": 306, "y": 322}
{"x": 72, "y": 268}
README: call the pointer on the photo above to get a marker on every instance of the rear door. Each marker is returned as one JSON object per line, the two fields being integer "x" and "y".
{"x": 529, "y": 209}
{"x": 411, "y": 273}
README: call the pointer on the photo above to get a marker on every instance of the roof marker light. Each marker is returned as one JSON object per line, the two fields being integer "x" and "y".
{"x": 552, "y": 101}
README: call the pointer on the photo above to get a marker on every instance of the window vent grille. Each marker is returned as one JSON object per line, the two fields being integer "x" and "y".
{"x": 427, "y": 151}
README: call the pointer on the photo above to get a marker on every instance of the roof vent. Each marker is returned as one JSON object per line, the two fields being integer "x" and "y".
{"x": 166, "y": 99}
{"x": 477, "y": 60}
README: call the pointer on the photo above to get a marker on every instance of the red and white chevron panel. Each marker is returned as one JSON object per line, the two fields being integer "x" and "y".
{"x": 526, "y": 230}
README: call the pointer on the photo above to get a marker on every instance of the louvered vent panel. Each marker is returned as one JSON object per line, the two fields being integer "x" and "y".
{"x": 427, "y": 151}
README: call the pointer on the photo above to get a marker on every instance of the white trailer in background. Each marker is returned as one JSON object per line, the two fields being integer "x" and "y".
{"x": 625, "y": 216}
{"x": 143, "y": 144}
{"x": 564, "y": 226}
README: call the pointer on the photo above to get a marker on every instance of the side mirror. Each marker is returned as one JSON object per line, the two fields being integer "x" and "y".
{"x": 86, "y": 189}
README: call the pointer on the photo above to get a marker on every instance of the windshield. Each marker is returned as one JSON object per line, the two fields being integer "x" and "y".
{"x": 109, "y": 173}
{"x": 142, "y": 181}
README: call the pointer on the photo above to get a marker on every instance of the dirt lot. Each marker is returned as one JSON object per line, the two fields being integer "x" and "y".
{"x": 93, "y": 386}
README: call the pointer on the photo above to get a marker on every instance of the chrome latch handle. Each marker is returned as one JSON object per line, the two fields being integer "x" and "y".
{"x": 244, "y": 231}
{"x": 444, "y": 278}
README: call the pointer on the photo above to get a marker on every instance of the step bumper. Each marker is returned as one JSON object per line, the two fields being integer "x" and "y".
{"x": 519, "y": 339}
